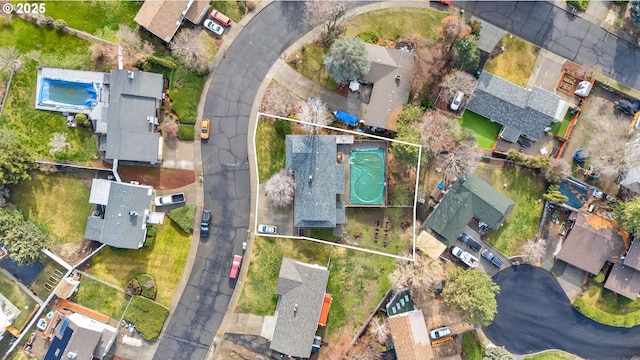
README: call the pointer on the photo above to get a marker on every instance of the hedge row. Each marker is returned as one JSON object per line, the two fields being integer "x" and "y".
{"x": 148, "y": 317}
{"x": 628, "y": 320}
{"x": 184, "y": 217}
{"x": 186, "y": 132}
{"x": 579, "y": 4}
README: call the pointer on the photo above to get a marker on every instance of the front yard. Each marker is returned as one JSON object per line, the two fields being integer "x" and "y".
{"x": 515, "y": 64}
{"x": 607, "y": 307}
{"x": 164, "y": 260}
{"x": 97, "y": 17}
{"x": 100, "y": 297}
{"x": 525, "y": 190}
{"x": 271, "y": 147}
{"x": 58, "y": 204}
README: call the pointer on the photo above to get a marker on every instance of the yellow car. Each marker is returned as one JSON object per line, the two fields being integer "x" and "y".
{"x": 204, "y": 132}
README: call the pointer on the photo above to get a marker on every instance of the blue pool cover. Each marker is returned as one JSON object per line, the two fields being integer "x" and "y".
{"x": 577, "y": 195}
{"x": 64, "y": 93}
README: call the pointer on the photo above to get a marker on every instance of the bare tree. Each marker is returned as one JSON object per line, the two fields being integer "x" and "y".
{"x": 279, "y": 101}
{"x": 429, "y": 66}
{"x": 534, "y": 250}
{"x": 421, "y": 276}
{"x": 187, "y": 47}
{"x": 104, "y": 55}
{"x": 457, "y": 162}
{"x": 458, "y": 81}
{"x": 134, "y": 49}
{"x": 280, "y": 189}
{"x": 611, "y": 153}
{"x": 170, "y": 129}
{"x": 315, "y": 112}
{"x": 453, "y": 28}
{"x": 330, "y": 14}
{"x": 434, "y": 135}
{"x": 10, "y": 59}
{"x": 379, "y": 328}
{"x": 58, "y": 143}
{"x": 363, "y": 350}
{"x": 556, "y": 171}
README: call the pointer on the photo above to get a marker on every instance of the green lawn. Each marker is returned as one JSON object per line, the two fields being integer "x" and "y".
{"x": 100, "y": 297}
{"x": 516, "y": 64}
{"x": 486, "y": 131}
{"x": 606, "y": 307}
{"x": 402, "y": 22}
{"x": 560, "y": 128}
{"x": 471, "y": 348}
{"x": 50, "y": 267}
{"x": 185, "y": 91}
{"x": 90, "y": 16}
{"x": 164, "y": 260}
{"x": 258, "y": 292}
{"x": 312, "y": 65}
{"x": 229, "y": 8}
{"x": 551, "y": 355}
{"x": 524, "y": 189}
{"x": 45, "y": 47}
{"x": 18, "y": 298}
{"x": 58, "y": 204}
{"x": 270, "y": 150}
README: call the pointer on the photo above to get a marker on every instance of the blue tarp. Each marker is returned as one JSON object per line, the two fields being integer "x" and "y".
{"x": 346, "y": 118}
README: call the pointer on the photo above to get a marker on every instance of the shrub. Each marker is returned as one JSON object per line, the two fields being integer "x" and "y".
{"x": 581, "y": 5}
{"x": 475, "y": 26}
{"x": 599, "y": 278}
{"x": 151, "y": 236}
{"x": 283, "y": 128}
{"x": 183, "y": 217}
{"x": 634, "y": 12}
{"x": 620, "y": 2}
{"x": 82, "y": 119}
{"x": 164, "y": 62}
{"x": 427, "y": 103}
{"x": 251, "y": 5}
{"x": 148, "y": 317}
{"x": 186, "y": 132}
{"x": 370, "y": 36}
{"x": 627, "y": 320}
{"x": 148, "y": 286}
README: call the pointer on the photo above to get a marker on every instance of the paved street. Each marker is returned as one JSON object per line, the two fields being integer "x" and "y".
{"x": 226, "y": 178}
{"x": 560, "y": 32}
{"x": 534, "y": 314}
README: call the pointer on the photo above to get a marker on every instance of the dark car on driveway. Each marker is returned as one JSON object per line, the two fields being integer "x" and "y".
{"x": 492, "y": 258}
{"x": 467, "y": 240}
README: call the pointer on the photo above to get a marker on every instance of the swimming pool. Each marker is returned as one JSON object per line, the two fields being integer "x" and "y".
{"x": 366, "y": 177}
{"x": 67, "y": 94}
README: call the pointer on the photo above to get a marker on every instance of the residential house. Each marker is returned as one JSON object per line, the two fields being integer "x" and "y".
{"x": 469, "y": 197}
{"x": 390, "y": 73}
{"x": 8, "y": 313}
{"x": 624, "y": 278}
{"x": 319, "y": 181}
{"x": 122, "y": 219}
{"x": 521, "y": 112}
{"x": 408, "y": 329}
{"x": 301, "y": 293}
{"x": 163, "y": 18}
{"x": 79, "y": 337}
{"x": 630, "y": 185}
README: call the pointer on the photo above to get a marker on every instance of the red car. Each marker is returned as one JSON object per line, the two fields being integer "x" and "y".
{"x": 235, "y": 266}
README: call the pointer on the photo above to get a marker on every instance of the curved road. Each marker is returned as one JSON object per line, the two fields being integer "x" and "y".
{"x": 226, "y": 177}
{"x": 534, "y": 314}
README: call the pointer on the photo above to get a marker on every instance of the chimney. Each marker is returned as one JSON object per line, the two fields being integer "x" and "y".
{"x": 310, "y": 178}
{"x": 295, "y": 308}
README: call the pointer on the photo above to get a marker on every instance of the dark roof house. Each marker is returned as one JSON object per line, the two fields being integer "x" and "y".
{"x": 80, "y": 337}
{"x": 624, "y": 278}
{"x": 163, "y": 18}
{"x": 319, "y": 181}
{"x": 301, "y": 291}
{"x": 390, "y": 73}
{"x": 123, "y": 224}
{"x": 591, "y": 242}
{"x": 468, "y": 197}
{"x": 521, "y": 112}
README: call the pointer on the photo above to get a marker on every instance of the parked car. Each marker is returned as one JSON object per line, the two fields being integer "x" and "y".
{"x": 220, "y": 17}
{"x": 470, "y": 260}
{"x": 492, "y": 258}
{"x": 205, "y": 223}
{"x": 445, "y": 2}
{"x": 457, "y": 100}
{"x": 317, "y": 342}
{"x": 235, "y": 266}
{"x": 467, "y": 240}
{"x": 267, "y": 229}
{"x": 440, "y": 332}
{"x": 204, "y": 128}
{"x": 213, "y": 27}
{"x": 169, "y": 199}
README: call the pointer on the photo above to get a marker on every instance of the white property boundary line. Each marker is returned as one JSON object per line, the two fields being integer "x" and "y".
{"x": 415, "y": 193}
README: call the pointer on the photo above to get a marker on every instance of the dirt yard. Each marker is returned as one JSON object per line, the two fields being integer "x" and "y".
{"x": 159, "y": 178}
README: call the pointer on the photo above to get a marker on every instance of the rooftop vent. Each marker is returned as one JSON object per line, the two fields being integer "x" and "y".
{"x": 130, "y": 74}
{"x": 133, "y": 213}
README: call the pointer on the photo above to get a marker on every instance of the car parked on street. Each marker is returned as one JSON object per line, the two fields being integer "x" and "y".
{"x": 235, "y": 266}
{"x": 440, "y": 332}
{"x": 205, "y": 128}
{"x": 467, "y": 240}
{"x": 267, "y": 229}
{"x": 491, "y": 258}
{"x": 205, "y": 223}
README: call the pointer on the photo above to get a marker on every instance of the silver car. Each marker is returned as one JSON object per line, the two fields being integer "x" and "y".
{"x": 267, "y": 229}
{"x": 440, "y": 332}
{"x": 213, "y": 27}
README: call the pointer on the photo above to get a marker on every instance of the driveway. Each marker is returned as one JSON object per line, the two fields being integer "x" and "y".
{"x": 534, "y": 314}
{"x": 226, "y": 178}
{"x": 571, "y": 37}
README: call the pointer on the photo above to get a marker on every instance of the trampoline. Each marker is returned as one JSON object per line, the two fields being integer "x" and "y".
{"x": 367, "y": 177}
{"x": 64, "y": 93}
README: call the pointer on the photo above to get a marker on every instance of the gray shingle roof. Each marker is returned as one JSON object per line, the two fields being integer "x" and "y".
{"x": 632, "y": 258}
{"x": 468, "y": 197}
{"x": 624, "y": 280}
{"x": 521, "y": 111}
{"x": 299, "y": 307}
{"x": 318, "y": 180}
{"x": 130, "y": 136}
{"x": 119, "y": 228}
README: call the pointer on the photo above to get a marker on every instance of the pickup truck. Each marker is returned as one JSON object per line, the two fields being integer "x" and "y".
{"x": 467, "y": 240}
{"x": 169, "y": 199}
{"x": 465, "y": 257}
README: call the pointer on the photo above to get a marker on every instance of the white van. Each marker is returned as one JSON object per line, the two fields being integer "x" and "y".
{"x": 457, "y": 100}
